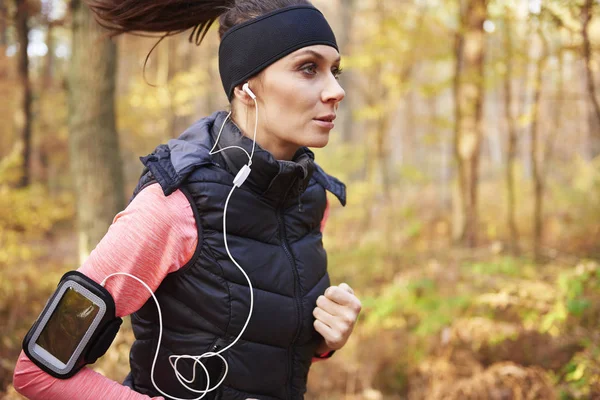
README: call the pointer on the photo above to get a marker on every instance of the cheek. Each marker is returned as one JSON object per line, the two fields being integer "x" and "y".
{"x": 285, "y": 111}
{"x": 294, "y": 98}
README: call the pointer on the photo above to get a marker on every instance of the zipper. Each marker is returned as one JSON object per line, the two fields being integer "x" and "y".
{"x": 301, "y": 189}
{"x": 214, "y": 349}
{"x": 284, "y": 243}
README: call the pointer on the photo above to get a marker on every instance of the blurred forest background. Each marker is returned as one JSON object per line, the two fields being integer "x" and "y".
{"x": 469, "y": 140}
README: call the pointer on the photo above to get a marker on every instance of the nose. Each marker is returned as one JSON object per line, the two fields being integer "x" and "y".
{"x": 333, "y": 92}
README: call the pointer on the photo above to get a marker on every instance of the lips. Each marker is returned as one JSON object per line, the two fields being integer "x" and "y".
{"x": 324, "y": 123}
{"x": 326, "y": 118}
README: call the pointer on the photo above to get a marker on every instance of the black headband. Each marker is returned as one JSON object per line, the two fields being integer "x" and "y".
{"x": 248, "y": 48}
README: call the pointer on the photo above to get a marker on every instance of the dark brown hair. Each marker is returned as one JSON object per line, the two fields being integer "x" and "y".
{"x": 170, "y": 17}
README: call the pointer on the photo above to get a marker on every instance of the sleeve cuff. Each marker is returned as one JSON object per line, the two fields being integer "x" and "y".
{"x": 324, "y": 355}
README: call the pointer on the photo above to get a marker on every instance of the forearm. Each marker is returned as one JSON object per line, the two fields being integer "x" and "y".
{"x": 33, "y": 383}
{"x": 154, "y": 236}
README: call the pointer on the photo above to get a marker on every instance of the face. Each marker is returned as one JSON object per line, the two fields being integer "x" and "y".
{"x": 298, "y": 97}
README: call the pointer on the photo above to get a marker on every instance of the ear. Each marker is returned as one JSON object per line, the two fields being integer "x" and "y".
{"x": 242, "y": 96}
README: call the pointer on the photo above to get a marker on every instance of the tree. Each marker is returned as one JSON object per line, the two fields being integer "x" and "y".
{"x": 93, "y": 141}
{"x": 177, "y": 64}
{"x": 3, "y": 19}
{"x": 23, "y": 117}
{"x": 512, "y": 133}
{"x": 586, "y": 17}
{"x": 51, "y": 25}
{"x": 346, "y": 14}
{"x": 468, "y": 98}
{"x": 536, "y": 161}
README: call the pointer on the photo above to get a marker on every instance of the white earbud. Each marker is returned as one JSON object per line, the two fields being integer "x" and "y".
{"x": 246, "y": 89}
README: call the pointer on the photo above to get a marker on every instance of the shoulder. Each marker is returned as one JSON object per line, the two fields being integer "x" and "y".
{"x": 153, "y": 205}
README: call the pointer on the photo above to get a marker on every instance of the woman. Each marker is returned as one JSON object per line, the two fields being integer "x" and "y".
{"x": 274, "y": 312}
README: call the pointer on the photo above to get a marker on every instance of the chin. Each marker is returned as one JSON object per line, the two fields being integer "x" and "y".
{"x": 317, "y": 142}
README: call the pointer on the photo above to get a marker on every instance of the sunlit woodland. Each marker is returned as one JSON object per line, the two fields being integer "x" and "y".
{"x": 469, "y": 140}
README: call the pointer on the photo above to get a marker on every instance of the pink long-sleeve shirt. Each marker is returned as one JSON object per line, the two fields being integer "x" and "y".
{"x": 154, "y": 236}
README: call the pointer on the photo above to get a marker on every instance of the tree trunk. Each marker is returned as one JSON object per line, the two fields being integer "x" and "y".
{"x": 383, "y": 154}
{"x": 93, "y": 142}
{"x": 586, "y": 16}
{"x": 177, "y": 63}
{"x": 409, "y": 129}
{"x": 48, "y": 79}
{"x": 47, "y": 86}
{"x": 468, "y": 95}
{"x": 512, "y": 136}
{"x": 3, "y": 42}
{"x": 458, "y": 215}
{"x": 547, "y": 151}
{"x": 538, "y": 181}
{"x": 211, "y": 103}
{"x": 3, "y": 34}
{"x": 446, "y": 138}
{"x": 346, "y": 13}
{"x": 383, "y": 120}
{"x": 23, "y": 116}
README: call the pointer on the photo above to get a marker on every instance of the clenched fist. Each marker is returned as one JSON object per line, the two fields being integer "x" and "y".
{"x": 336, "y": 313}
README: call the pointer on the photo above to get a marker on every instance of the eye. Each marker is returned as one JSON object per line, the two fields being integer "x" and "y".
{"x": 337, "y": 72}
{"x": 310, "y": 69}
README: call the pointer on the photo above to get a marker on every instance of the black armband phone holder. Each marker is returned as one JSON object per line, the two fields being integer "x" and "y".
{"x": 76, "y": 327}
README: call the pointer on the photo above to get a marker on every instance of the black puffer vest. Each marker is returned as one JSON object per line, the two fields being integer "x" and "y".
{"x": 273, "y": 232}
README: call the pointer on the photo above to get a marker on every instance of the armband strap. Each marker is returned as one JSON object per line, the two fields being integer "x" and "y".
{"x": 75, "y": 328}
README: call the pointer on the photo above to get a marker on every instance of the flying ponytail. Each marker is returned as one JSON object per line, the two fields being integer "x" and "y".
{"x": 159, "y": 16}
{"x": 175, "y": 16}
{"x": 171, "y": 17}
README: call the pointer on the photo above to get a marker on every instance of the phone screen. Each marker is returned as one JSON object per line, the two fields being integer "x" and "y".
{"x": 67, "y": 325}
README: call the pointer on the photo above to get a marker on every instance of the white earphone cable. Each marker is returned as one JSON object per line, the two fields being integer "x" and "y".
{"x": 238, "y": 181}
{"x": 211, "y": 152}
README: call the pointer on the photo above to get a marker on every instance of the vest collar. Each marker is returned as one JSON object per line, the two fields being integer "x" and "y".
{"x": 173, "y": 162}
{"x": 271, "y": 178}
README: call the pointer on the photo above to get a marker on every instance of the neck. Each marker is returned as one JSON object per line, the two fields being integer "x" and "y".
{"x": 245, "y": 119}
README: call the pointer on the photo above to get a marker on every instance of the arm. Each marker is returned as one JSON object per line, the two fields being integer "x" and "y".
{"x": 153, "y": 236}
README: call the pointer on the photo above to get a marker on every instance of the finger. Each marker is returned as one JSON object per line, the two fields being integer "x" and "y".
{"x": 341, "y": 324}
{"x": 346, "y": 287}
{"x": 332, "y": 338}
{"x": 330, "y": 306}
{"x": 339, "y": 295}
{"x": 343, "y": 317}
{"x": 324, "y": 317}
{"x": 323, "y": 329}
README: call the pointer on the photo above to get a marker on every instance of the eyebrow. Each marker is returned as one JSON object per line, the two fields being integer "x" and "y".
{"x": 316, "y": 54}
